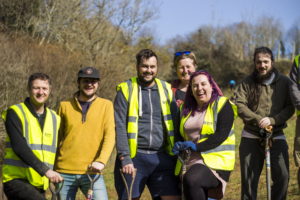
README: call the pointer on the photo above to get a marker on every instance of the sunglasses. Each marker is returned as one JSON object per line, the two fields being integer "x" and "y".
{"x": 182, "y": 52}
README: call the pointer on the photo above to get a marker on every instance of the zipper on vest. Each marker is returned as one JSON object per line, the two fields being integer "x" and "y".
{"x": 151, "y": 119}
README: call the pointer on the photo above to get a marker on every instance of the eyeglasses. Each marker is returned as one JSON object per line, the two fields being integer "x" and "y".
{"x": 182, "y": 52}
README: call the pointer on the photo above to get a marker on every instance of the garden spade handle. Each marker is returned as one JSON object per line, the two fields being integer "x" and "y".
{"x": 90, "y": 191}
{"x": 55, "y": 192}
{"x": 129, "y": 192}
{"x": 183, "y": 169}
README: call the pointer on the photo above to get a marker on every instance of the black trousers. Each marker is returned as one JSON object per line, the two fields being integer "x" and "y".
{"x": 252, "y": 156}
{"x": 19, "y": 189}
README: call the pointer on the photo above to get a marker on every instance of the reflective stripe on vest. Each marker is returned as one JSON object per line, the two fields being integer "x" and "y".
{"x": 297, "y": 61}
{"x": 130, "y": 91}
{"x": 223, "y": 156}
{"x": 43, "y": 144}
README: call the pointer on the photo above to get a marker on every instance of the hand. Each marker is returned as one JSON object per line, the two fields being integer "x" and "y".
{"x": 264, "y": 123}
{"x": 53, "y": 176}
{"x": 129, "y": 169}
{"x": 176, "y": 148}
{"x": 97, "y": 167}
{"x": 189, "y": 144}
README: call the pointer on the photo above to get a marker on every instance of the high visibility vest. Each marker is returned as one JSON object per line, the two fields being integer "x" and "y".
{"x": 43, "y": 145}
{"x": 223, "y": 156}
{"x": 130, "y": 90}
{"x": 297, "y": 60}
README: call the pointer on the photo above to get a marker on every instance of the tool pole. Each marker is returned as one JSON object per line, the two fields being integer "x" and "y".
{"x": 183, "y": 169}
{"x": 90, "y": 191}
{"x": 268, "y": 168}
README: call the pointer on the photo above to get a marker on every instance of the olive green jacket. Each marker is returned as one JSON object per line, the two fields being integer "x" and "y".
{"x": 274, "y": 102}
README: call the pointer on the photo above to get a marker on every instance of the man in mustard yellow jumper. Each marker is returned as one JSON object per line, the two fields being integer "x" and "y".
{"x": 87, "y": 136}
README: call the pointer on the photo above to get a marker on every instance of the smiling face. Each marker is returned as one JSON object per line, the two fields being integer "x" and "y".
{"x": 39, "y": 92}
{"x": 184, "y": 69}
{"x": 202, "y": 89}
{"x": 87, "y": 88}
{"x": 147, "y": 71}
{"x": 263, "y": 63}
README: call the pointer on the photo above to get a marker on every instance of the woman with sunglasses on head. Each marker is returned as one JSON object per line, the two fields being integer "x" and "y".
{"x": 185, "y": 63}
{"x": 205, "y": 126}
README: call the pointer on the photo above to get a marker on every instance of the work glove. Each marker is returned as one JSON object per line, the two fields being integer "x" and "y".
{"x": 189, "y": 144}
{"x": 176, "y": 148}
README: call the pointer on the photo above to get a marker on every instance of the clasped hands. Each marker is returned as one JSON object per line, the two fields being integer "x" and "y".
{"x": 182, "y": 146}
{"x": 264, "y": 122}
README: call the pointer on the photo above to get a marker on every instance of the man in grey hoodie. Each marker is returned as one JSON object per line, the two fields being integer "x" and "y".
{"x": 144, "y": 112}
{"x": 295, "y": 96}
{"x": 263, "y": 99}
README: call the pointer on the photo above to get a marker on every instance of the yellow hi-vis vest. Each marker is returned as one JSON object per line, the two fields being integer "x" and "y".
{"x": 297, "y": 60}
{"x": 130, "y": 91}
{"x": 43, "y": 144}
{"x": 223, "y": 156}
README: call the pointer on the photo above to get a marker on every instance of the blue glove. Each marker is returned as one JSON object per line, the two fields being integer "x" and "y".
{"x": 176, "y": 148}
{"x": 189, "y": 144}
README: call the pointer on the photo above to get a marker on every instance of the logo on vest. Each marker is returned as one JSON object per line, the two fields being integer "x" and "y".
{"x": 48, "y": 134}
{"x": 207, "y": 123}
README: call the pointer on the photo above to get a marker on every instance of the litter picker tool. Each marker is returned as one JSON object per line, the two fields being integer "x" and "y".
{"x": 90, "y": 191}
{"x": 183, "y": 169}
{"x": 55, "y": 192}
{"x": 129, "y": 191}
{"x": 266, "y": 134}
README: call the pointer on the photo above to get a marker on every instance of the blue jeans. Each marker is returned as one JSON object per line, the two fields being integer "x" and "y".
{"x": 74, "y": 181}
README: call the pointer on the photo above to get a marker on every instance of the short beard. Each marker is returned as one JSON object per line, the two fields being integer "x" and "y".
{"x": 260, "y": 78}
{"x": 82, "y": 93}
{"x": 145, "y": 82}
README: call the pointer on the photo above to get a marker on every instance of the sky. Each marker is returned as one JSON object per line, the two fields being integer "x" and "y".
{"x": 181, "y": 17}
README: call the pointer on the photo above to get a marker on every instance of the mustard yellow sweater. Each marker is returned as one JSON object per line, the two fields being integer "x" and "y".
{"x": 82, "y": 142}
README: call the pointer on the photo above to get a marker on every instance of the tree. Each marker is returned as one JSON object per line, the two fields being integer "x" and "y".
{"x": 293, "y": 36}
{"x": 16, "y": 15}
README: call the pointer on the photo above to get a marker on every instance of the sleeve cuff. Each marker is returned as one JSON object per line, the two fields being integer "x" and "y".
{"x": 126, "y": 160}
{"x": 43, "y": 170}
{"x": 272, "y": 120}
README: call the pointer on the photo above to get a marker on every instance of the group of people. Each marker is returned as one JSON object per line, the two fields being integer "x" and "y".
{"x": 152, "y": 122}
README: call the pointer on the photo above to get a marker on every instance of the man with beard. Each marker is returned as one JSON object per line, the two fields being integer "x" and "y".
{"x": 144, "y": 112}
{"x": 263, "y": 99}
{"x": 87, "y": 136}
{"x": 295, "y": 96}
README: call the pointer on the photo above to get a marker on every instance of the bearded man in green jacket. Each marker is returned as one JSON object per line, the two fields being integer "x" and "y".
{"x": 263, "y": 99}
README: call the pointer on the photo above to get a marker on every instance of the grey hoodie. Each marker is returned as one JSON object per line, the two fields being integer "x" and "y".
{"x": 151, "y": 130}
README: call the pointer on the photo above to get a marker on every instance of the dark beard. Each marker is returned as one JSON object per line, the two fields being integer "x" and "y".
{"x": 145, "y": 82}
{"x": 260, "y": 78}
{"x": 255, "y": 89}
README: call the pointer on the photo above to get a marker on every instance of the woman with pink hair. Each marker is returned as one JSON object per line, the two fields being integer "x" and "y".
{"x": 205, "y": 126}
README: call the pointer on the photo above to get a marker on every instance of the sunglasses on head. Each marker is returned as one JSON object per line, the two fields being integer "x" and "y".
{"x": 182, "y": 52}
